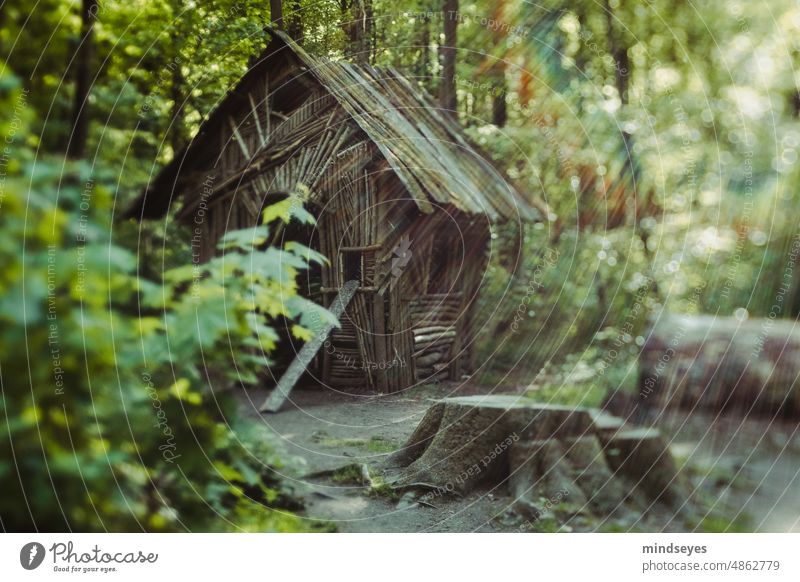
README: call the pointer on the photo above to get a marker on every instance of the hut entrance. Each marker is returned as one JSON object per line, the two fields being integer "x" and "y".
{"x": 351, "y": 264}
{"x": 349, "y": 356}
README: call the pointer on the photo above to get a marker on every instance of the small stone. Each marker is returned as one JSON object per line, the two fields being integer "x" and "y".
{"x": 407, "y": 501}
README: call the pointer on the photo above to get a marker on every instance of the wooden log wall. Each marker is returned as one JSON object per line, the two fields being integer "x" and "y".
{"x": 476, "y": 230}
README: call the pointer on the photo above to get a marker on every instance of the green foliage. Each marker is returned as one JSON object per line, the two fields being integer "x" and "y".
{"x": 712, "y": 124}
{"x": 384, "y": 490}
{"x": 719, "y": 524}
{"x": 378, "y": 444}
{"x": 113, "y": 412}
{"x": 349, "y": 474}
{"x": 375, "y": 444}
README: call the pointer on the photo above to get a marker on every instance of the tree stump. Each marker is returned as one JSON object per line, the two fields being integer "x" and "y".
{"x": 580, "y": 455}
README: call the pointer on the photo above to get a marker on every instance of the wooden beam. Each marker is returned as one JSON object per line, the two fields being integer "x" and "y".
{"x": 239, "y": 140}
{"x": 336, "y": 290}
{"x": 267, "y": 97}
{"x": 307, "y": 352}
{"x": 362, "y": 248}
{"x": 262, "y": 138}
{"x": 379, "y": 337}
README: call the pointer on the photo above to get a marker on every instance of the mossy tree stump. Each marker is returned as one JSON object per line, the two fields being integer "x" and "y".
{"x": 578, "y": 454}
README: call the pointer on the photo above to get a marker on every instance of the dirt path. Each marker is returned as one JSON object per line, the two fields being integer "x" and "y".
{"x": 326, "y": 430}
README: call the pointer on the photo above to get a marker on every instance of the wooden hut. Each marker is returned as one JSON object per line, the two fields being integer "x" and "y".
{"x": 403, "y": 204}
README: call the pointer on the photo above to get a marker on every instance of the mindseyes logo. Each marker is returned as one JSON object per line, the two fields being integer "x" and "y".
{"x": 31, "y": 555}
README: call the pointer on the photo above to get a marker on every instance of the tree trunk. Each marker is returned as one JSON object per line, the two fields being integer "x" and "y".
{"x": 621, "y": 77}
{"x": 367, "y": 21}
{"x": 276, "y": 13}
{"x": 629, "y": 175}
{"x": 499, "y": 90}
{"x": 294, "y": 20}
{"x": 447, "y": 91}
{"x": 423, "y": 62}
{"x": 620, "y": 54}
{"x": 357, "y": 23}
{"x": 2, "y": 27}
{"x": 177, "y": 133}
{"x": 83, "y": 79}
{"x": 177, "y": 81}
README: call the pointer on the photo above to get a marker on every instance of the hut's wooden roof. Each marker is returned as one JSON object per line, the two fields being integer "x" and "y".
{"x": 426, "y": 148}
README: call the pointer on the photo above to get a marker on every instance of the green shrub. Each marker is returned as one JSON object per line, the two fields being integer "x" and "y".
{"x": 110, "y": 417}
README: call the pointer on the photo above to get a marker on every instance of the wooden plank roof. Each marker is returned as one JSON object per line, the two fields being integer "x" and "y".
{"x": 427, "y": 149}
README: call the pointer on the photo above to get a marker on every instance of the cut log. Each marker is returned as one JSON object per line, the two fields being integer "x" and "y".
{"x": 307, "y": 352}
{"x": 429, "y": 359}
{"x": 418, "y": 331}
{"x": 721, "y": 365}
{"x": 432, "y": 337}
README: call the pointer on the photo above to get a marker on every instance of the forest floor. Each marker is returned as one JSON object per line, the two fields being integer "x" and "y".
{"x": 745, "y": 475}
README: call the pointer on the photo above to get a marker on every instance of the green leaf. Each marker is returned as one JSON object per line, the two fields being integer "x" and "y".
{"x": 245, "y": 239}
{"x": 308, "y": 254}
